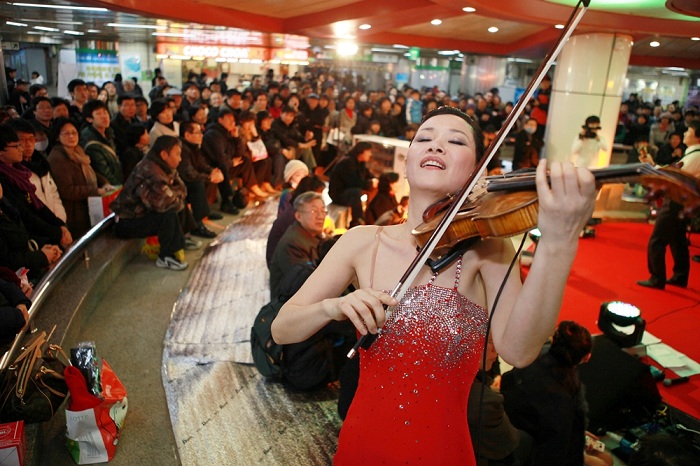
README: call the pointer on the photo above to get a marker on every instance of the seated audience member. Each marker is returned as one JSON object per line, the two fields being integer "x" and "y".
{"x": 671, "y": 152}
{"x": 196, "y": 173}
{"x": 493, "y": 436}
{"x": 350, "y": 178}
{"x": 137, "y": 140}
{"x": 385, "y": 200}
{"x": 153, "y": 203}
{"x": 285, "y": 216}
{"x": 18, "y": 248}
{"x": 163, "y": 120}
{"x": 278, "y": 155}
{"x": 254, "y": 149}
{"x": 640, "y": 150}
{"x": 526, "y": 153}
{"x": 289, "y": 136}
{"x": 395, "y": 216}
{"x": 14, "y": 310}
{"x": 39, "y": 220}
{"x": 40, "y": 175}
{"x": 97, "y": 140}
{"x": 294, "y": 171}
{"x": 299, "y": 244}
{"x": 546, "y": 400}
{"x": 74, "y": 176}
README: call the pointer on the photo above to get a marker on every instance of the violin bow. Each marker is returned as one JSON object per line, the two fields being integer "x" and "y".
{"x": 424, "y": 254}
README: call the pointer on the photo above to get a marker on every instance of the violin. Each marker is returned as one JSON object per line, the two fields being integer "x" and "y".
{"x": 507, "y": 205}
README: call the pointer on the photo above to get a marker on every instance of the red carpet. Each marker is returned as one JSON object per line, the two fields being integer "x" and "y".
{"x": 607, "y": 268}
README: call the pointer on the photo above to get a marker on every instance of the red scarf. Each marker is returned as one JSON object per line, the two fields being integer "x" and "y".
{"x": 19, "y": 175}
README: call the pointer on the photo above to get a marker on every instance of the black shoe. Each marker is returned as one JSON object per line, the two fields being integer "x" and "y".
{"x": 229, "y": 209}
{"x": 651, "y": 283}
{"x": 677, "y": 281}
{"x": 215, "y": 216}
{"x": 203, "y": 232}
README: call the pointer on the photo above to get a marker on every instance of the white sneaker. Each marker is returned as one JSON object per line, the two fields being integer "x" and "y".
{"x": 192, "y": 244}
{"x": 169, "y": 262}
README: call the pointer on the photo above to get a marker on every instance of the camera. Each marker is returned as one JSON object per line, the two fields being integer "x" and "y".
{"x": 590, "y": 133}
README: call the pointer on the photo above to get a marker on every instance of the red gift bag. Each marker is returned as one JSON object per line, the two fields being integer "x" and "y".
{"x": 94, "y": 424}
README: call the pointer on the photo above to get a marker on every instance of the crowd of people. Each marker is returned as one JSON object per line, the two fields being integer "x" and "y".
{"x": 186, "y": 154}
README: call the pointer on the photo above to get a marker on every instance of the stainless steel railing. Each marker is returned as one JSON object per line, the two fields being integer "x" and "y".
{"x": 51, "y": 279}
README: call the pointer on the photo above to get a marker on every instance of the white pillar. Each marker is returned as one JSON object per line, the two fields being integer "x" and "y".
{"x": 588, "y": 80}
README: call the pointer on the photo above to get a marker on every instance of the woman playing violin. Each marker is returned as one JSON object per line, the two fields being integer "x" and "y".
{"x": 410, "y": 406}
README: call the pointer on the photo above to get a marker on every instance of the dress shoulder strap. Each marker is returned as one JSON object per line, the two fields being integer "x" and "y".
{"x": 374, "y": 256}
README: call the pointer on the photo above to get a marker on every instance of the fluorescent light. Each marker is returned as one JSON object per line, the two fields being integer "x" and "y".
{"x": 74, "y": 33}
{"x": 654, "y": 43}
{"x": 50, "y": 21}
{"x": 364, "y": 27}
{"x": 135, "y": 26}
{"x": 436, "y": 22}
{"x": 43, "y": 28}
{"x": 60, "y": 7}
{"x": 448, "y": 52}
{"x": 469, "y": 9}
{"x": 93, "y": 31}
{"x": 492, "y": 29}
{"x": 695, "y": 38}
{"x": 171, "y": 34}
{"x": 400, "y": 46}
{"x": 12, "y": 23}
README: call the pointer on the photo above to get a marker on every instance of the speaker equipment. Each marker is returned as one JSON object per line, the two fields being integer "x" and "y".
{"x": 620, "y": 390}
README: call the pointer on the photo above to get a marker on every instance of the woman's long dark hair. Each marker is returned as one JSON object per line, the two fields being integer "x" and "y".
{"x": 359, "y": 148}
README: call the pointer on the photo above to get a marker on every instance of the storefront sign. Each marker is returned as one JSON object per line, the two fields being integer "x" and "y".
{"x": 97, "y": 65}
{"x": 287, "y": 54}
{"x": 212, "y": 51}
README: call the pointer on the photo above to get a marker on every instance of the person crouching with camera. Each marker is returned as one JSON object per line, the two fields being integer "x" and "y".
{"x": 588, "y": 143}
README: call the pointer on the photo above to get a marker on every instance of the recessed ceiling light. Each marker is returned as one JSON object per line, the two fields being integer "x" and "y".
{"x": 493, "y": 29}
{"x": 364, "y": 27}
{"x": 436, "y": 22}
{"x": 559, "y": 26}
{"x": 12, "y": 23}
{"x": 60, "y": 7}
{"x": 469, "y": 9}
{"x": 654, "y": 43}
{"x": 695, "y": 38}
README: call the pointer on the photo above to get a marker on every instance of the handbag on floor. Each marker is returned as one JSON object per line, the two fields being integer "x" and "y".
{"x": 33, "y": 385}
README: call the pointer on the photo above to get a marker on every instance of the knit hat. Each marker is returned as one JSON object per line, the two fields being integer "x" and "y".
{"x": 292, "y": 167}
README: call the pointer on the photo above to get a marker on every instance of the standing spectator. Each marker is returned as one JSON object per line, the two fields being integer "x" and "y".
{"x": 79, "y": 96}
{"x": 142, "y": 111}
{"x": 526, "y": 153}
{"x": 112, "y": 94}
{"x": 10, "y": 76}
{"x": 153, "y": 203}
{"x": 414, "y": 108}
{"x": 75, "y": 178}
{"x": 670, "y": 228}
{"x": 349, "y": 178}
{"x": 39, "y": 175}
{"x": 588, "y": 143}
{"x": 19, "y": 97}
{"x": 39, "y": 220}
{"x": 97, "y": 140}
{"x": 196, "y": 174}
{"x": 540, "y": 106}
{"x": 137, "y": 141}
{"x": 163, "y": 121}
{"x": 125, "y": 117}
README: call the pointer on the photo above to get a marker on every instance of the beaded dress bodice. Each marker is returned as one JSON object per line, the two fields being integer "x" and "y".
{"x": 410, "y": 404}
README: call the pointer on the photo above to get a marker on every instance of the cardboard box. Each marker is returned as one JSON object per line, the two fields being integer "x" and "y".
{"x": 13, "y": 445}
{"x": 98, "y": 206}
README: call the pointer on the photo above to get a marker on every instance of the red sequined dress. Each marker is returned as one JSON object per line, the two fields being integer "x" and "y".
{"x": 410, "y": 407}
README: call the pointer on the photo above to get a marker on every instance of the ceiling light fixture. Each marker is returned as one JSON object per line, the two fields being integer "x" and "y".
{"x": 50, "y": 21}
{"x": 171, "y": 34}
{"x": 654, "y": 43}
{"x": 364, "y": 27}
{"x": 44, "y": 28}
{"x": 60, "y": 7}
{"x": 93, "y": 31}
{"x": 695, "y": 38}
{"x": 12, "y": 23}
{"x": 135, "y": 26}
{"x": 74, "y": 33}
{"x": 469, "y": 9}
{"x": 436, "y": 22}
{"x": 492, "y": 29}
{"x": 559, "y": 26}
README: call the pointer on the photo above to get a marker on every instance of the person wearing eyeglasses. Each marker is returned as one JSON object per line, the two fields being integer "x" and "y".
{"x": 300, "y": 242}
{"x": 588, "y": 143}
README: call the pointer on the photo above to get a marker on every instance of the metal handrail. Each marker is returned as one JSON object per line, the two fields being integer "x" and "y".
{"x": 49, "y": 281}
